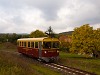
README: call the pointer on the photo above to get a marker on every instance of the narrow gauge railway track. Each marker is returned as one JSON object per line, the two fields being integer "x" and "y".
{"x": 61, "y": 68}
{"x": 68, "y": 70}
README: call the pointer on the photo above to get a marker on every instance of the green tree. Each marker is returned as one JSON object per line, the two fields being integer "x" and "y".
{"x": 11, "y": 37}
{"x": 85, "y": 40}
{"x": 37, "y": 33}
{"x": 50, "y": 32}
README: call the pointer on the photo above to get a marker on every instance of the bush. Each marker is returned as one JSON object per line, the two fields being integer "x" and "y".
{"x": 65, "y": 46}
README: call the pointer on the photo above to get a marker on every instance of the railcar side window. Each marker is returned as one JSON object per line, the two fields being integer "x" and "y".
{"x": 24, "y": 44}
{"x": 28, "y": 44}
{"x": 32, "y": 44}
{"x": 20, "y": 43}
{"x": 36, "y": 44}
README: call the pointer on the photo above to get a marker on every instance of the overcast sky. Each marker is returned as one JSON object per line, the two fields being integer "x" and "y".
{"x": 25, "y": 16}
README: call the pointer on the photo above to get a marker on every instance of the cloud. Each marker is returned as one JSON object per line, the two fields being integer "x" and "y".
{"x": 48, "y": 7}
{"x": 21, "y": 16}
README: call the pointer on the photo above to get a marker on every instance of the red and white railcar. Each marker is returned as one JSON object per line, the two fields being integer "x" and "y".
{"x": 43, "y": 48}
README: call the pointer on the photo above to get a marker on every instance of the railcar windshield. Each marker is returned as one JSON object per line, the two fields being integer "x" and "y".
{"x": 55, "y": 44}
{"x": 51, "y": 44}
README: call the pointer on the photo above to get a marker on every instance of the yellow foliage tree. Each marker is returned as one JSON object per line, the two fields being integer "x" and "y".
{"x": 85, "y": 40}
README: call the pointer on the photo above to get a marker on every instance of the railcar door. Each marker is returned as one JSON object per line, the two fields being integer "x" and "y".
{"x": 40, "y": 49}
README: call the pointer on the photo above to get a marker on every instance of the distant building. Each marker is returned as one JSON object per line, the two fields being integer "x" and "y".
{"x": 65, "y": 38}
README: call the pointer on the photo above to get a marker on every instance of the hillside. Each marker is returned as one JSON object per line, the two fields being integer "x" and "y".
{"x": 66, "y": 33}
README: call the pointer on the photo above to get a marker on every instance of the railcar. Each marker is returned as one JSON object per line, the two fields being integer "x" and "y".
{"x": 45, "y": 48}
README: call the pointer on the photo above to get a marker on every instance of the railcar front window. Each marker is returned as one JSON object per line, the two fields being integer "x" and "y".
{"x": 46, "y": 44}
{"x": 55, "y": 44}
{"x": 50, "y": 44}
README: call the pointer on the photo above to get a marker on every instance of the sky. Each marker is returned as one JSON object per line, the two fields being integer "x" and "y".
{"x": 25, "y": 16}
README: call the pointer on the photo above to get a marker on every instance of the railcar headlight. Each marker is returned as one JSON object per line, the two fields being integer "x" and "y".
{"x": 45, "y": 52}
{"x": 57, "y": 51}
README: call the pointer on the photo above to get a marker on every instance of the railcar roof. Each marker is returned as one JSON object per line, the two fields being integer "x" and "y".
{"x": 38, "y": 39}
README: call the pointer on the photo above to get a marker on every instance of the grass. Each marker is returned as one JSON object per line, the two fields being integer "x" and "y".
{"x": 45, "y": 71}
{"x": 8, "y": 46}
{"x": 80, "y": 62}
{"x": 12, "y": 65}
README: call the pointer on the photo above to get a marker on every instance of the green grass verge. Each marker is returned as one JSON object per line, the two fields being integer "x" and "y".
{"x": 80, "y": 62}
{"x": 44, "y": 70}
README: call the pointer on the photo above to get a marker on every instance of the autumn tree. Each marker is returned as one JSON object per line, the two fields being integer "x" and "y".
{"x": 84, "y": 40}
{"x": 37, "y": 33}
{"x": 96, "y": 42}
